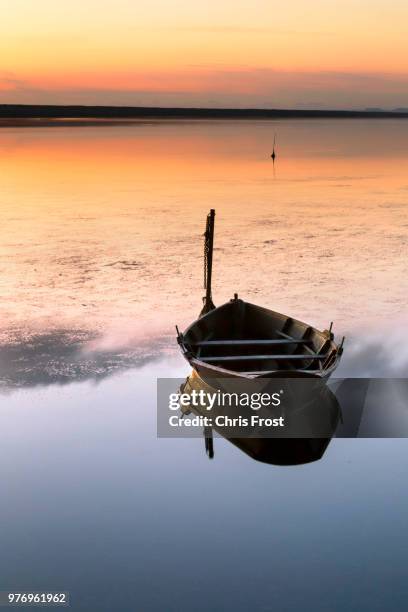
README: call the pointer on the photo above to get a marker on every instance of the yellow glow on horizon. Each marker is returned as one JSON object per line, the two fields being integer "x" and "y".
{"x": 183, "y": 47}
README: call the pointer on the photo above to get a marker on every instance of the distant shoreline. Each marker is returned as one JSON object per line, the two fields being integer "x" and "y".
{"x": 12, "y": 115}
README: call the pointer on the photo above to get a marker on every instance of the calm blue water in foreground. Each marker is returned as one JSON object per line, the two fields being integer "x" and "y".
{"x": 94, "y": 504}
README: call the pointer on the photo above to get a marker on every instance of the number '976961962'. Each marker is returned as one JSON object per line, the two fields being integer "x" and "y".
{"x": 34, "y": 598}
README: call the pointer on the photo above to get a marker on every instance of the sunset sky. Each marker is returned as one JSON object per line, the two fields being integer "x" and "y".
{"x": 263, "y": 53}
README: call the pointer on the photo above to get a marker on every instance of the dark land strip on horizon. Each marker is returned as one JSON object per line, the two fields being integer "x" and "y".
{"x": 22, "y": 114}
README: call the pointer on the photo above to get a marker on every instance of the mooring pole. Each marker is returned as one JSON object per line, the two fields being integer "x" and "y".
{"x": 211, "y": 220}
{"x": 208, "y": 260}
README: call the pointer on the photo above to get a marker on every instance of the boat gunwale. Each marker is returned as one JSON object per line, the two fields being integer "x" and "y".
{"x": 197, "y": 364}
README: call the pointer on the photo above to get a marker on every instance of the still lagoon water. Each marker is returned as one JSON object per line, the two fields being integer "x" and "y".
{"x": 100, "y": 256}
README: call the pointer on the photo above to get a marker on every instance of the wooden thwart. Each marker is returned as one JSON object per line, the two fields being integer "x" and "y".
{"x": 250, "y": 342}
{"x": 261, "y": 357}
{"x": 273, "y": 372}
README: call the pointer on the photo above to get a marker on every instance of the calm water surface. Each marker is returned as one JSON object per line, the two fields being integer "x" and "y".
{"x": 100, "y": 255}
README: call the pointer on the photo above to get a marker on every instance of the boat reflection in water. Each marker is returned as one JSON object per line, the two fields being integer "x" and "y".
{"x": 309, "y": 408}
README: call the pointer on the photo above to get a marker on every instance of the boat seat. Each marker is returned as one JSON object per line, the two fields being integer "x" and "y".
{"x": 262, "y": 357}
{"x": 265, "y": 372}
{"x": 250, "y": 342}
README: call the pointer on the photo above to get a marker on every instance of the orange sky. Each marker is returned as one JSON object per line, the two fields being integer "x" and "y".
{"x": 352, "y": 53}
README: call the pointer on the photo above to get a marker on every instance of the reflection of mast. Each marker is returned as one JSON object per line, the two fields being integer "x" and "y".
{"x": 209, "y": 444}
{"x": 273, "y": 150}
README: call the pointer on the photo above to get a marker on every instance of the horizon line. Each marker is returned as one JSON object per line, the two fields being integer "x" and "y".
{"x": 78, "y": 111}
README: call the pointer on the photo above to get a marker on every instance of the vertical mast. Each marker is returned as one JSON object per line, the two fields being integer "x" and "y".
{"x": 208, "y": 259}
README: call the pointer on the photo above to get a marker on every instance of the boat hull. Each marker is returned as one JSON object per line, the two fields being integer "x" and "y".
{"x": 243, "y": 340}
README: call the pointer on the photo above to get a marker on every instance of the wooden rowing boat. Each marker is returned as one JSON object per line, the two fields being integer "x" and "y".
{"x": 239, "y": 339}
